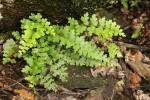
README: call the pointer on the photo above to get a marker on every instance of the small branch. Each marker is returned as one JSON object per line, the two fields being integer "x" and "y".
{"x": 132, "y": 46}
{"x": 64, "y": 89}
{"x": 72, "y": 93}
{"x": 126, "y": 27}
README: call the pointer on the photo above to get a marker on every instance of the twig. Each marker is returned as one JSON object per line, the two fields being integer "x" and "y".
{"x": 132, "y": 46}
{"x": 18, "y": 63}
{"x": 73, "y": 93}
{"x": 67, "y": 91}
{"x": 15, "y": 82}
{"x": 64, "y": 89}
{"x": 5, "y": 92}
{"x": 126, "y": 27}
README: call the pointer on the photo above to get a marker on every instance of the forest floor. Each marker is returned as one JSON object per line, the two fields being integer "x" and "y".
{"x": 129, "y": 81}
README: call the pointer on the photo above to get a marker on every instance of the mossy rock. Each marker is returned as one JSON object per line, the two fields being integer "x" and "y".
{"x": 80, "y": 77}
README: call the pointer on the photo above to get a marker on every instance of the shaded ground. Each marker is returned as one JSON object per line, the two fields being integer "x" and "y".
{"x": 82, "y": 84}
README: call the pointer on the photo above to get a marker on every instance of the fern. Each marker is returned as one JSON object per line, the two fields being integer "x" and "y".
{"x": 126, "y": 5}
{"x": 114, "y": 51}
{"x": 34, "y": 29}
{"x": 48, "y": 49}
{"x": 10, "y": 51}
{"x": 137, "y": 32}
{"x": 104, "y": 29}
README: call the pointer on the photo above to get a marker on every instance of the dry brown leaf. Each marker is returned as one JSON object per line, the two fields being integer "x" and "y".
{"x": 6, "y": 86}
{"x": 134, "y": 80}
{"x": 135, "y": 24}
{"x": 135, "y": 59}
{"x": 137, "y": 55}
{"x": 106, "y": 71}
{"x": 102, "y": 70}
{"x": 18, "y": 98}
{"x": 139, "y": 95}
{"x": 99, "y": 70}
{"x": 25, "y": 94}
{"x": 141, "y": 68}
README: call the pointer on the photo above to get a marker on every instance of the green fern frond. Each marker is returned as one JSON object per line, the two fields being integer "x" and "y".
{"x": 10, "y": 51}
{"x": 48, "y": 49}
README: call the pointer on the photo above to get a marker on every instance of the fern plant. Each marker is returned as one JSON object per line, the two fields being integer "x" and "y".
{"x": 48, "y": 49}
{"x": 126, "y": 5}
{"x": 137, "y": 32}
{"x": 9, "y": 52}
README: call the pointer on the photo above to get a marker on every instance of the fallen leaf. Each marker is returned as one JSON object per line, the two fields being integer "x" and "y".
{"x": 134, "y": 80}
{"x": 107, "y": 71}
{"x": 135, "y": 61}
{"x": 141, "y": 68}
{"x": 25, "y": 94}
{"x": 140, "y": 95}
{"x": 102, "y": 70}
{"x": 135, "y": 24}
{"x": 18, "y": 98}
{"x": 5, "y": 86}
{"x": 137, "y": 55}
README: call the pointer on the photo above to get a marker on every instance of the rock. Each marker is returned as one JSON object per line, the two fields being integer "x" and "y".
{"x": 104, "y": 92}
{"x": 13, "y": 11}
